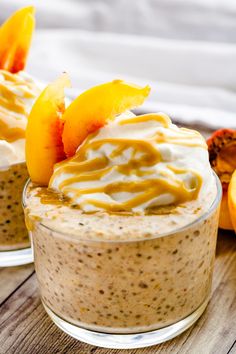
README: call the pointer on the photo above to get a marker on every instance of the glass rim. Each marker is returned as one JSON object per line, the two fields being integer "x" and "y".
{"x": 202, "y": 217}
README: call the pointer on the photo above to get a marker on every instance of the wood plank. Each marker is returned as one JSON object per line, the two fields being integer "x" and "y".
{"x": 11, "y": 278}
{"x": 25, "y": 327}
{"x": 233, "y": 348}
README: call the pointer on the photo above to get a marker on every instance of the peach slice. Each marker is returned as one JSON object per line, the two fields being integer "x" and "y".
{"x": 93, "y": 108}
{"x": 15, "y": 39}
{"x": 225, "y": 219}
{"x": 44, "y": 145}
{"x": 232, "y": 199}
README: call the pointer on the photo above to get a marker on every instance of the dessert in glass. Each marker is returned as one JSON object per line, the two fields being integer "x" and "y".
{"x": 17, "y": 95}
{"x": 123, "y": 212}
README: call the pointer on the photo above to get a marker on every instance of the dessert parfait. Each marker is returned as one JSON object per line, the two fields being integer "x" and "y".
{"x": 17, "y": 95}
{"x": 123, "y": 212}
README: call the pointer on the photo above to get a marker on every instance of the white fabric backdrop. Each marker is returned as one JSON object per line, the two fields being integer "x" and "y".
{"x": 186, "y": 52}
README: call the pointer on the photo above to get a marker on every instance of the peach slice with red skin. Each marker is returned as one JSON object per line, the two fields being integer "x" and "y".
{"x": 15, "y": 39}
{"x": 44, "y": 145}
{"x": 93, "y": 108}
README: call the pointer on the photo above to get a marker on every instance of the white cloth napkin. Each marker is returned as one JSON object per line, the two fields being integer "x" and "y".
{"x": 175, "y": 47}
{"x": 192, "y": 83}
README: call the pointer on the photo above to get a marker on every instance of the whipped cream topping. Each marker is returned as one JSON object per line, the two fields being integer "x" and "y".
{"x": 17, "y": 95}
{"x": 135, "y": 163}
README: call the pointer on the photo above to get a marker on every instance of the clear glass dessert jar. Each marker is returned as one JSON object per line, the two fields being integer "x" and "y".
{"x": 14, "y": 239}
{"x": 126, "y": 294}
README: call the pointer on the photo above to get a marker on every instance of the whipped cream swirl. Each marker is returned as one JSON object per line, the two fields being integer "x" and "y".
{"x": 17, "y": 95}
{"x": 135, "y": 163}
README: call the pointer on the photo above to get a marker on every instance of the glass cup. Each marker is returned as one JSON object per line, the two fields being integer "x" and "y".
{"x": 14, "y": 239}
{"x": 126, "y": 294}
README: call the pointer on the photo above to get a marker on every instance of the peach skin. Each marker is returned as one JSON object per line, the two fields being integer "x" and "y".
{"x": 44, "y": 145}
{"x": 93, "y": 108}
{"x": 15, "y": 39}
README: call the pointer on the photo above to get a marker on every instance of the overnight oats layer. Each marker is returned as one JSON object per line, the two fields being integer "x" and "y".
{"x": 13, "y": 233}
{"x": 117, "y": 273}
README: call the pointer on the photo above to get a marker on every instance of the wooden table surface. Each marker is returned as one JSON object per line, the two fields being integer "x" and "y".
{"x": 25, "y": 328}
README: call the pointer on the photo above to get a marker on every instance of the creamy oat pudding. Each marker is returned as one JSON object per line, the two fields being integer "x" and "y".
{"x": 123, "y": 212}
{"x": 17, "y": 95}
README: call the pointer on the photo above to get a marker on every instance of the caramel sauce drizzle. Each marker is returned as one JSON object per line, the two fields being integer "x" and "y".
{"x": 144, "y": 154}
{"x": 12, "y": 104}
{"x": 48, "y": 196}
{"x": 10, "y": 134}
{"x": 162, "y": 118}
